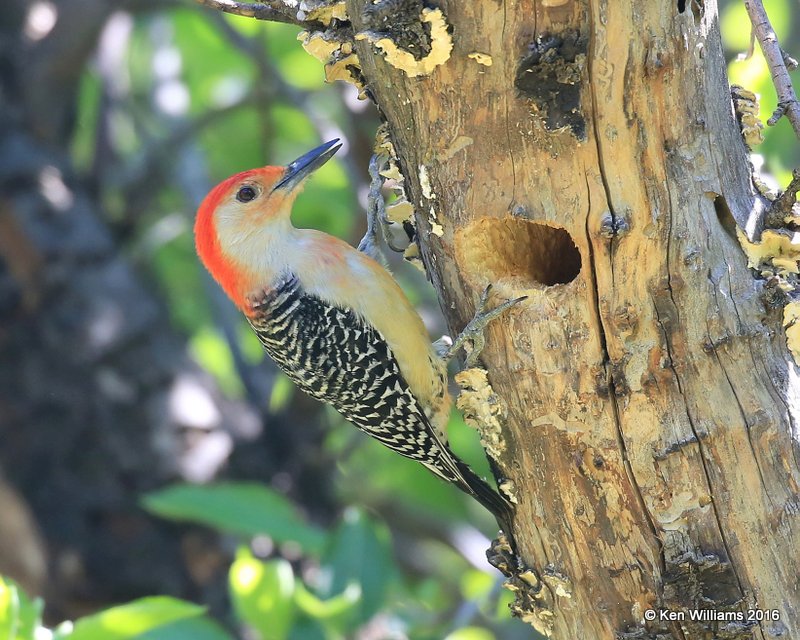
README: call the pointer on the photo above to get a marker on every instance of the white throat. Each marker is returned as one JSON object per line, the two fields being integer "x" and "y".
{"x": 263, "y": 249}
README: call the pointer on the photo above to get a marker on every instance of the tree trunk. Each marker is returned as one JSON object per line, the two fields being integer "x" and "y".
{"x": 585, "y": 154}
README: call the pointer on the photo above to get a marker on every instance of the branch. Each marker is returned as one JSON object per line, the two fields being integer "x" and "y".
{"x": 782, "y": 206}
{"x": 777, "y": 60}
{"x": 272, "y": 10}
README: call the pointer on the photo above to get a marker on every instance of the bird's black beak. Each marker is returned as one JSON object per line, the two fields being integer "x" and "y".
{"x": 306, "y": 164}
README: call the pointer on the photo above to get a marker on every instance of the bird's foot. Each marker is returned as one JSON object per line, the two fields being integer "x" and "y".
{"x": 471, "y": 339}
{"x": 377, "y": 222}
{"x": 376, "y": 208}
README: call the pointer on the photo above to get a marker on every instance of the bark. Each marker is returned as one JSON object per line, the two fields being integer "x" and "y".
{"x": 595, "y": 166}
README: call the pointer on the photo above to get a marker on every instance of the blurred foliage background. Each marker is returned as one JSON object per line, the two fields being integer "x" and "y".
{"x": 150, "y": 454}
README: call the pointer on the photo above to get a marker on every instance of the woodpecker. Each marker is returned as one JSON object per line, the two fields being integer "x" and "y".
{"x": 333, "y": 319}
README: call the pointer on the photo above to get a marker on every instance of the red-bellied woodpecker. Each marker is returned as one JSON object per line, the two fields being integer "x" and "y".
{"x": 333, "y": 319}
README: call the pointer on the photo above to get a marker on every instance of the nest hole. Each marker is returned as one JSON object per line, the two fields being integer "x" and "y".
{"x": 523, "y": 253}
{"x": 724, "y": 215}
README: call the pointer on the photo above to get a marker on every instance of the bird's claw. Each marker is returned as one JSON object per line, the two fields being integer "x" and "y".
{"x": 471, "y": 338}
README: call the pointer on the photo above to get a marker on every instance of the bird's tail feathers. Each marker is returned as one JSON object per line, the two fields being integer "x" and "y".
{"x": 498, "y": 505}
{"x": 451, "y": 468}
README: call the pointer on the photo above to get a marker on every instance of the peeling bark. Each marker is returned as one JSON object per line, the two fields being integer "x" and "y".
{"x": 596, "y": 167}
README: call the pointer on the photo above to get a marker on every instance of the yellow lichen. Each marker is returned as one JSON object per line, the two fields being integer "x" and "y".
{"x": 341, "y": 69}
{"x": 412, "y": 255}
{"x": 509, "y": 490}
{"x": 791, "y": 324}
{"x": 316, "y": 44}
{"x": 383, "y": 142}
{"x": 399, "y": 211}
{"x": 441, "y": 46}
{"x": 777, "y": 254}
{"x": 540, "y": 619}
{"x": 793, "y": 217}
{"x": 481, "y": 58}
{"x": 558, "y": 582}
{"x": 392, "y": 172}
{"x": 745, "y": 104}
{"x": 787, "y": 265}
{"x": 482, "y": 408}
{"x": 323, "y": 11}
{"x": 338, "y": 57}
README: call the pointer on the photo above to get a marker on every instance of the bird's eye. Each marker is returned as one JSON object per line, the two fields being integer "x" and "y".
{"x": 246, "y": 194}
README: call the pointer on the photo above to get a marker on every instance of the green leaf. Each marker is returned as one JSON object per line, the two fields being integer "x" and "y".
{"x": 391, "y": 475}
{"x": 19, "y": 615}
{"x": 297, "y": 67}
{"x": 360, "y": 553}
{"x": 471, "y": 633}
{"x": 246, "y": 509}
{"x": 282, "y": 392}
{"x": 200, "y": 628}
{"x": 211, "y": 350}
{"x": 477, "y": 585}
{"x": 334, "y": 611}
{"x": 130, "y": 620}
{"x": 504, "y": 601}
{"x": 735, "y": 24}
{"x": 262, "y": 594}
{"x": 308, "y": 629}
{"x": 174, "y": 262}
{"x": 230, "y": 145}
{"x": 221, "y": 64}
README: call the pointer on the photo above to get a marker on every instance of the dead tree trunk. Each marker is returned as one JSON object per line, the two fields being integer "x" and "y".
{"x": 585, "y": 154}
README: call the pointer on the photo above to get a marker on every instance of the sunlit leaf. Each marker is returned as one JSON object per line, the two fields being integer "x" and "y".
{"x": 263, "y": 594}
{"x": 297, "y": 67}
{"x": 471, "y": 633}
{"x": 208, "y": 57}
{"x": 212, "y": 352}
{"x": 175, "y": 265}
{"x": 282, "y": 392}
{"x": 504, "y": 601}
{"x": 131, "y": 620}
{"x": 735, "y": 23}
{"x": 334, "y": 609}
{"x": 476, "y": 585}
{"x": 247, "y": 509}
{"x": 779, "y": 149}
{"x": 252, "y": 349}
{"x": 19, "y": 615}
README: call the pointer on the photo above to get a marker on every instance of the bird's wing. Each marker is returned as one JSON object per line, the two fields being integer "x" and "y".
{"x": 337, "y": 357}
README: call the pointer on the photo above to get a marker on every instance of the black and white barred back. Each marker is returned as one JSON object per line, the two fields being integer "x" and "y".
{"x": 338, "y": 358}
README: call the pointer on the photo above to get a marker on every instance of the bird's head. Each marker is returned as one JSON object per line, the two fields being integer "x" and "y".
{"x": 240, "y": 208}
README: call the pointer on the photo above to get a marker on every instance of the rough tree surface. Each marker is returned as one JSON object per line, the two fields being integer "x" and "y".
{"x": 587, "y": 155}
